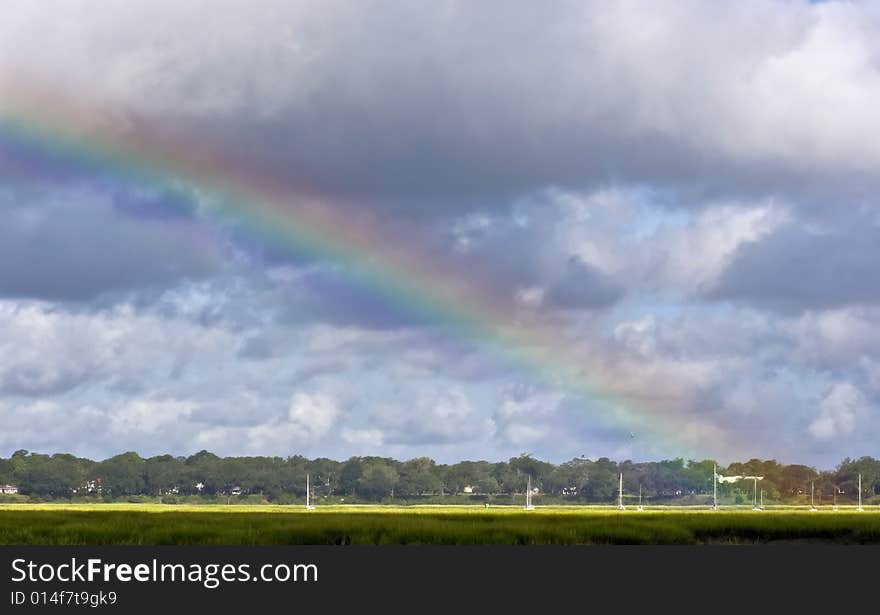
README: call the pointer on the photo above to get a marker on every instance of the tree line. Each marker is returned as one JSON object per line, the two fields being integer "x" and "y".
{"x": 379, "y": 479}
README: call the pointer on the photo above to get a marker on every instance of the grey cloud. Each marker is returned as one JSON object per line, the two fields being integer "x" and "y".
{"x": 434, "y": 418}
{"x": 583, "y": 286}
{"x": 721, "y": 278}
{"x": 801, "y": 266}
{"x": 488, "y": 101}
{"x": 75, "y": 245}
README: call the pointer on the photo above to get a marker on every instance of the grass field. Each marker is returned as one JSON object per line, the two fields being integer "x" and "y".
{"x": 152, "y": 524}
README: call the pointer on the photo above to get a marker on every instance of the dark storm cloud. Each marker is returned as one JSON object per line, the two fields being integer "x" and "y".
{"x": 31, "y": 380}
{"x": 77, "y": 244}
{"x": 331, "y": 295}
{"x": 485, "y": 102}
{"x": 828, "y": 263}
{"x": 167, "y": 202}
{"x": 583, "y": 286}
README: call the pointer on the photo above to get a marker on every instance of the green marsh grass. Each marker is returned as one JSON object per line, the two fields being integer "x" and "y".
{"x": 151, "y": 524}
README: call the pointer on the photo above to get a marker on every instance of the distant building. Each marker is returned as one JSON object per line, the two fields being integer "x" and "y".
{"x": 92, "y": 486}
{"x": 468, "y": 489}
{"x": 8, "y": 489}
{"x": 235, "y": 491}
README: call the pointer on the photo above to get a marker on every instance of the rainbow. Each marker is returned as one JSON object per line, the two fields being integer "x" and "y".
{"x": 390, "y": 262}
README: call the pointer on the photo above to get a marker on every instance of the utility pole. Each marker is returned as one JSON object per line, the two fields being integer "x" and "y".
{"x": 529, "y": 494}
{"x": 756, "y": 479}
{"x": 860, "y": 509}
{"x": 308, "y": 494}
{"x": 620, "y": 505}
{"x": 714, "y": 486}
{"x": 756, "y": 494}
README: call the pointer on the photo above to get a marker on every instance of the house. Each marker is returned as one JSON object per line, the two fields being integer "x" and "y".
{"x": 468, "y": 489}
{"x": 235, "y": 491}
{"x": 92, "y": 486}
{"x": 8, "y": 489}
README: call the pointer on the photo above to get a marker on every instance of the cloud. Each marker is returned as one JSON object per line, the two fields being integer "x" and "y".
{"x": 311, "y": 416}
{"x": 521, "y": 435}
{"x": 694, "y": 256}
{"x": 369, "y": 439}
{"x": 683, "y": 197}
{"x": 43, "y": 353}
{"x": 837, "y": 412}
{"x": 485, "y": 101}
{"x": 77, "y": 243}
{"x": 527, "y": 417}
{"x": 582, "y": 286}
{"x": 439, "y": 418}
{"x": 807, "y": 264}
{"x": 309, "y": 419}
{"x": 146, "y": 418}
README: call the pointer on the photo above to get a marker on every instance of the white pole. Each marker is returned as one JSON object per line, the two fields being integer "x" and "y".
{"x": 860, "y": 493}
{"x": 529, "y": 494}
{"x": 714, "y": 486}
{"x": 308, "y": 494}
{"x": 620, "y": 493}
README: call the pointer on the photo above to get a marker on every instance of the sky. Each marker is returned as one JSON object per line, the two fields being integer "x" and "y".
{"x": 466, "y": 230}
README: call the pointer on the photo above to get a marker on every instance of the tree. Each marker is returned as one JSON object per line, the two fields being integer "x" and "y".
{"x": 467, "y": 474}
{"x": 418, "y": 477}
{"x": 325, "y": 474}
{"x": 203, "y": 468}
{"x": 526, "y": 465}
{"x": 56, "y": 476}
{"x": 847, "y": 476}
{"x": 123, "y": 474}
{"x": 163, "y": 474}
{"x": 6, "y": 471}
{"x": 350, "y": 475}
{"x": 794, "y": 480}
{"x": 601, "y": 485}
{"x": 569, "y": 478}
{"x": 377, "y": 480}
{"x": 507, "y": 478}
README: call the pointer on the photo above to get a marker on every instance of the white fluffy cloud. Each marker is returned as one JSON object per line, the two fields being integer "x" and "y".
{"x": 311, "y": 416}
{"x": 146, "y": 418}
{"x": 433, "y": 419}
{"x": 43, "y": 351}
{"x": 838, "y": 412}
{"x": 695, "y": 255}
